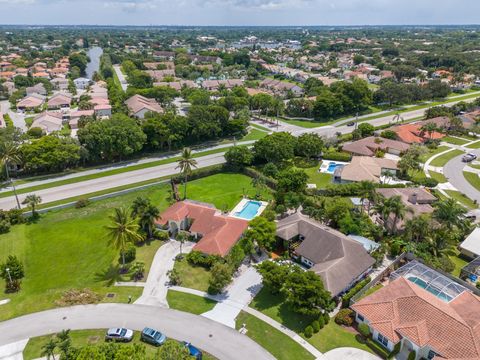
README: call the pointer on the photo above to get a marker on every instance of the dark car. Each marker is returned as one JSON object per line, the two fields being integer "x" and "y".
{"x": 351, "y": 123}
{"x": 153, "y": 337}
{"x": 193, "y": 350}
{"x": 119, "y": 334}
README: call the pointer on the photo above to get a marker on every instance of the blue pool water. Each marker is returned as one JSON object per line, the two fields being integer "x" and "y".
{"x": 431, "y": 290}
{"x": 331, "y": 167}
{"x": 249, "y": 210}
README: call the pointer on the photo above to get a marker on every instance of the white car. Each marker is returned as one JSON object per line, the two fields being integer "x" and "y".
{"x": 469, "y": 157}
{"x": 119, "y": 334}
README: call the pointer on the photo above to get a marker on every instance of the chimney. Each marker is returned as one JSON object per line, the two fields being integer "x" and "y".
{"x": 413, "y": 198}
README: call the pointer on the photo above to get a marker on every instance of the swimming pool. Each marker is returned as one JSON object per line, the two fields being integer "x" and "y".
{"x": 331, "y": 167}
{"x": 423, "y": 284}
{"x": 250, "y": 210}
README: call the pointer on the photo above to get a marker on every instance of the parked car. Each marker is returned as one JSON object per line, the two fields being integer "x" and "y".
{"x": 153, "y": 336}
{"x": 119, "y": 334}
{"x": 351, "y": 123}
{"x": 469, "y": 157}
{"x": 193, "y": 350}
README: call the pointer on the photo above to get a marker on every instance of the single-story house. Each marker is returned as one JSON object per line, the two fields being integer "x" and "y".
{"x": 365, "y": 168}
{"x": 417, "y": 200}
{"x": 216, "y": 233}
{"x": 213, "y": 85}
{"x": 76, "y": 115}
{"x": 59, "y": 83}
{"x": 369, "y": 145}
{"x": 103, "y": 110}
{"x": 10, "y": 86}
{"x": 164, "y": 55}
{"x": 31, "y": 102}
{"x": 470, "y": 247}
{"x": 36, "y": 89}
{"x": 339, "y": 260}
{"x": 159, "y": 75}
{"x": 404, "y": 312}
{"x": 412, "y": 133}
{"x": 139, "y": 105}
{"x": 81, "y": 83}
{"x": 281, "y": 87}
{"x": 177, "y": 85}
{"x": 48, "y": 121}
{"x": 59, "y": 101}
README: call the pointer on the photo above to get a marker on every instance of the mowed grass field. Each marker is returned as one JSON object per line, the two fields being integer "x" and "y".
{"x": 68, "y": 248}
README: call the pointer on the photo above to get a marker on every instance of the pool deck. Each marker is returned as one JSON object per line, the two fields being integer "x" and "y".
{"x": 242, "y": 204}
{"x": 326, "y": 164}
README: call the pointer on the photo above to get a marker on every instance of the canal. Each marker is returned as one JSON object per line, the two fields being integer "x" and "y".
{"x": 94, "y": 54}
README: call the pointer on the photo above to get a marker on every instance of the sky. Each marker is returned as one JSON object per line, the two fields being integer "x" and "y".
{"x": 239, "y": 12}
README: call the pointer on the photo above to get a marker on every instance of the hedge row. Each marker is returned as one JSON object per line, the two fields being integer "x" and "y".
{"x": 337, "y": 156}
{"x": 353, "y": 291}
{"x": 201, "y": 173}
{"x": 271, "y": 183}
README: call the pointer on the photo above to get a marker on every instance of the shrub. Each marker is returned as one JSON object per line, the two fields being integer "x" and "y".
{"x": 78, "y": 297}
{"x": 221, "y": 276}
{"x": 326, "y": 318}
{"x": 269, "y": 215}
{"x": 478, "y": 285}
{"x": 308, "y": 331}
{"x": 137, "y": 270}
{"x": 35, "y": 132}
{"x": 199, "y": 259}
{"x": 200, "y": 173}
{"x": 270, "y": 170}
{"x": 315, "y": 326}
{"x": 344, "y": 317}
{"x": 395, "y": 351}
{"x": 174, "y": 277}
{"x": 4, "y": 226}
{"x": 270, "y": 182}
{"x": 321, "y": 322}
{"x": 364, "y": 330}
{"x": 130, "y": 253}
{"x": 337, "y": 156}
{"x": 161, "y": 235}
{"x": 15, "y": 216}
{"x": 280, "y": 209}
{"x": 412, "y": 355}
{"x": 81, "y": 203}
{"x": 427, "y": 182}
{"x": 13, "y": 286}
{"x": 353, "y": 291}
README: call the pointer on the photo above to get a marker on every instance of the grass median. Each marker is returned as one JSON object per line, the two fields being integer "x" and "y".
{"x": 442, "y": 160}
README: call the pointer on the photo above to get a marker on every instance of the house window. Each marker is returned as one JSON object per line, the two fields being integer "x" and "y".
{"x": 360, "y": 317}
{"x": 382, "y": 340}
{"x": 431, "y": 354}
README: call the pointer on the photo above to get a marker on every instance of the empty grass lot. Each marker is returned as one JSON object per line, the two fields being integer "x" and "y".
{"x": 68, "y": 248}
{"x": 445, "y": 158}
{"x": 330, "y": 337}
{"x": 194, "y": 277}
{"x": 274, "y": 341}
{"x": 189, "y": 303}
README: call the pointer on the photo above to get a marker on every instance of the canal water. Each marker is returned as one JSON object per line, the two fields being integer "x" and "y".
{"x": 94, "y": 54}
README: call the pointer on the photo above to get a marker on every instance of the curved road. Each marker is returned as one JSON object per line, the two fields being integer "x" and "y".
{"x": 216, "y": 339}
{"x": 453, "y": 170}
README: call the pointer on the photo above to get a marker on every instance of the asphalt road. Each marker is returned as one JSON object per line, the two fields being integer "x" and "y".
{"x": 453, "y": 170}
{"x": 121, "y": 77}
{"x": 219, "y": 340}
{"x": 108, "y": 182}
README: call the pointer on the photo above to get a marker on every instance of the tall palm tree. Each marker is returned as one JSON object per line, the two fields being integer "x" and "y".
{"x": 48, "y": 349}
{"x": 449, "y": 213}
{"x": 366, "y": 189}
{"x": 398, "y": 209}
{"x": 185, "y": 164}
{"x": 139, "y": 205}
{"x": 122, "y": 231}
{"x": 32, "y": 201}
{"x": 147, "y": 219}
{"x": 429, "y": 128}
{"x": 10, "y": 154}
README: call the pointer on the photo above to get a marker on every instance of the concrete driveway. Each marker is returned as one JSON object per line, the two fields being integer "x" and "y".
{"x": 219, "y": 340}
{"x": 346, "y": 353}
{"x": 453, "y": 170}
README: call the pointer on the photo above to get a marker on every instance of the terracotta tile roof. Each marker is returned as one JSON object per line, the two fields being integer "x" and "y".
{"x": 219, "y": 232}
{"x": 404, "y": 309}
{"x": 412, "y": 133}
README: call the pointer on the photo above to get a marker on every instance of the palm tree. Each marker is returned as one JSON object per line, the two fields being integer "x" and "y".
{"x": 122, "y": 231}
{"x": 48, "y": 349}
{"x": 139, "y": 205}
{"x": 398, "y": 209}
{"x": 259, "y": 184}
{"x": 32, "y": 201}
{"x": 147, "y": 219}
{"x": 429, "y": 128}
{"x": 449, "y": 213}
{"x": 185, "y": 164}
{"x": 10, "y": 154}
{"x": 418, "y": 228}
{"x": 366, "y": 189}
{"x": 182, "y": 236}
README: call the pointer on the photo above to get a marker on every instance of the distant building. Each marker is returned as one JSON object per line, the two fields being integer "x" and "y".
{"x": 59, "y": 101}
{"x": 48, "y": 122}
{"x": 470, "y": 247}
{"x": 31, "y": 102}
{"x": 81, "y": 83}
{"x": 103, "y": 110}
{"x": 36, "y": 89}
{"x": 139, "y": 105}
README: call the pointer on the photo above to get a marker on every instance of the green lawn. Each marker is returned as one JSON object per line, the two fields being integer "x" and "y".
{"x": 443, "y": 159}
{"x": 438, "y": 176}
{"x": 29, "y": 121}
{"x": 274, "y": 341}
{"x": 371, "y": 291}
{"x": 455, "y": 140}
{"x": 432, "y": 152}
{"x": 416, "y": 175}
{"x": 254, "y": 134}
{"x": 462, "y": 199}
{"x": 475, "y": 166}
{"x": 309, "y": 124}
{"x": 314, "y": 176}
{"x": 459, "y": 262}
{"x": 259, "y": 127}
{"x": 475, "y": 145}
{"x": 473, "y": 179}
{"x": 330, "y": 337}
{"x": 189, "y": 303}
{"x": 194, "y": 277}
{"x": 68, "y": 248}
{"x": 33, "y": 350}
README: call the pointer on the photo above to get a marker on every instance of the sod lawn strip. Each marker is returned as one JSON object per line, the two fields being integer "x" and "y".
{"x": 189, "y": 303}
{"x": 462, "y": 199}
{"x": 455, "y": 140}
{"x": 438, "y": 176}
{"x": 472, "y": 179}
{"x": 445, "y": 158}
{"x": 432, "y": 152}
{"x": 274, "y": 341}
